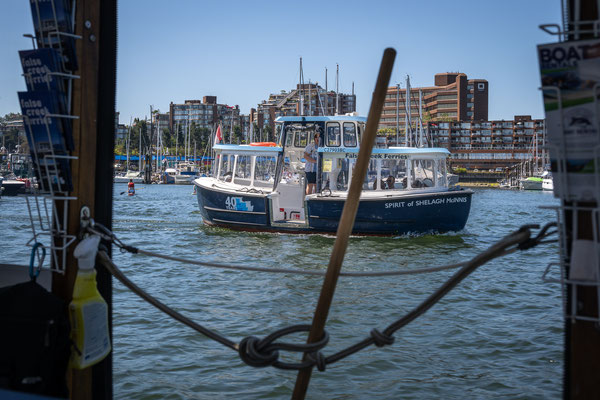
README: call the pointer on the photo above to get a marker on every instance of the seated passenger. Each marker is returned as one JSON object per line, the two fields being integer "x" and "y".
{"x": 390, "y": 182}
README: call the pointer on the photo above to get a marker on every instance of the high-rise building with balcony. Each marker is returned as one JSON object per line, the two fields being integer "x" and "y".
{"x": 204, "y": 114}
{"x": 453, "y": 98}
{"x": 490, "y": 144}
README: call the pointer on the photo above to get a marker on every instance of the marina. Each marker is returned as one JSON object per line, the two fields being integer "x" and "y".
{"x": 249, "y": 234}
{"x": 498, "y": 335}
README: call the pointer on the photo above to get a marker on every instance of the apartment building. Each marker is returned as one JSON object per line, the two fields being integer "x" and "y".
{"x": 490, "y": 144}
{"x": 305, "y": 99}
{"x": 204, "y": 114}
{"x": 454, "y": 97}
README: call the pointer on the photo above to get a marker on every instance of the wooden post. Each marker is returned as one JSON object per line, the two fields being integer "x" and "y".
{"x": 348, "y": 215}
{"x": 582, "y": 338}
{"x": 93, "y": 135}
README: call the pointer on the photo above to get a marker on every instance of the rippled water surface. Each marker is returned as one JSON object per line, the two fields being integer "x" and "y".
{"x": 497, "y": 335}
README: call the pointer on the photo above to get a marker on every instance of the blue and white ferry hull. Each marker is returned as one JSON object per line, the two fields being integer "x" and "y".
{"x": 396, "y": 215}
{"x": 232, "y": 209}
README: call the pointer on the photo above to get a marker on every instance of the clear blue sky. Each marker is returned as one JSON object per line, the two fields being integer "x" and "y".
{"x": 241, "y": 51}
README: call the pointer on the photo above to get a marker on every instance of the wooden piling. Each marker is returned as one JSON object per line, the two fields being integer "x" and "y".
{"x": 348, "y": 215}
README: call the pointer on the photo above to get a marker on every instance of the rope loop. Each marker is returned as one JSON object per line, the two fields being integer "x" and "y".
{"x": 263, "y": 352}
{"x": 381, "y": 339}
{"x": 251, "y": 355}
{"x": 318, "y": 359}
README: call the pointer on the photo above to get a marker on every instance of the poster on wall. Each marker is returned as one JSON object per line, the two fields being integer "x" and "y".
{"x": 570, "y": 75}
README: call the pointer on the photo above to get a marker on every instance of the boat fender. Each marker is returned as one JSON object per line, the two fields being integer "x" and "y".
{"x": 264, "y": 144}
{"x": 88, "y": 311}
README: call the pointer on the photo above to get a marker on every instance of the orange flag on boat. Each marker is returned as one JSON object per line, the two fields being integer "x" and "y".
{"x": 218, "y": 136}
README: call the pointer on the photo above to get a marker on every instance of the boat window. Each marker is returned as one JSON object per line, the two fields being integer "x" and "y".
{"x": 422, "y": 173}
{"x": 300, "y": 138}
{"x": 335, "y": 173}
{"x": 370, "y": 182}
{"x": 289, "y": 137}
{"x": 265, "y": 171}
{"x": 333, "y": 135}
{"x": 243, "y": 170}
{"x": 393, "y": 174}
{"x": 278, "y": 133}
{"x": 226, "y": 167}
{"x": 349, "y": 134}
{"x": 361, "y": 128}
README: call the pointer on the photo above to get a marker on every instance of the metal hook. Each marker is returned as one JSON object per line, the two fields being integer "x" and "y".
{"x": 35, "y": 272}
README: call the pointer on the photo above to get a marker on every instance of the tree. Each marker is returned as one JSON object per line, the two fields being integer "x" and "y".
{"x": 237, "y": 134}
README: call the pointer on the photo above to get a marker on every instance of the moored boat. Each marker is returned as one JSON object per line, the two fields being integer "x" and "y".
{"x": 186, "y": 173}
{"x": 135, "y": 176}
{"x": 263, "y": 187}
{"x": 531, "y": 183}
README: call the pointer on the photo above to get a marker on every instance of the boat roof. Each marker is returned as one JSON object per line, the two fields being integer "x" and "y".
{"x": 246, "y": 148}
{"x": 438, "y": 151}
{"x": 322, "y": 118}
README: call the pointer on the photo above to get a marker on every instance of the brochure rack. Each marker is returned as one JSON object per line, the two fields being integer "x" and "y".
{"x": 48, "y": 201}
{"x": 576, "y": 174}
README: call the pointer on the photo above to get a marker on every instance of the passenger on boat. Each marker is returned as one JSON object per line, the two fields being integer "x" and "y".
{"x": 310, "y": 155}
{"x": 390, "y": 182}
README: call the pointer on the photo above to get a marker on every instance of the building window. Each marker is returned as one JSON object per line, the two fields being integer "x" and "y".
{"x": 481, "y": 86}
{"x": 469, "y": 105}
{"x": 469, "y": 87}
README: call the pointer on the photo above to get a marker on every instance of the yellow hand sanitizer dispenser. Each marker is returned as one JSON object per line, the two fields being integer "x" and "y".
{"x": 88, "y": 311}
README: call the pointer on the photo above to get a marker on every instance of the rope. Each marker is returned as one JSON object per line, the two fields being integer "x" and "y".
{"x": 116, "y": 272}
{"x": 265, "y": 352}
{"x": 111, "y": 237}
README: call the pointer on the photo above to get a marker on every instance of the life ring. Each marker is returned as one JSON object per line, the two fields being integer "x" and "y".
{"x": 264, "y": 144}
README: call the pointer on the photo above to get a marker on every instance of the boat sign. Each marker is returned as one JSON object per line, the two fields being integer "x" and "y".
{"x": 238, "y": 204}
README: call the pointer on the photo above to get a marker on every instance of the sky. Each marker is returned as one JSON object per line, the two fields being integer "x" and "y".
{"x": 241, "y": 51}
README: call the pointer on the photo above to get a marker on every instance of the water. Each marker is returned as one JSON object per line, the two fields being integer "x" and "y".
{"x": 497, "y": 335}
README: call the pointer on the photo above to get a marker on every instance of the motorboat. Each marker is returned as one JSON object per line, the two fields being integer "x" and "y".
{"x": 262, "y": 186}
{"x": 547, "y": 181}
{"x": 135, "y": 176}
{"x": 531, "y": 183}
{"x": 186, "y": 173}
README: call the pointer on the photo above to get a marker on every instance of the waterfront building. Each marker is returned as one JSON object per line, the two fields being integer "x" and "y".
{"x": 204, "y": 114}
{"x": 490, "y": 144}
{"x": 454, "y": 97}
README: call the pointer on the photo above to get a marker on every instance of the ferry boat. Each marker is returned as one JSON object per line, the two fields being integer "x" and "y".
{"x": 261, "y": 186}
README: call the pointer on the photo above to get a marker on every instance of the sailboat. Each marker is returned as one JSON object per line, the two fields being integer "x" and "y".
{"x": 130, "y": 175}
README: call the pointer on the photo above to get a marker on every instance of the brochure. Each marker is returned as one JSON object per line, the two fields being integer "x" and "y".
{"x": 51, "y": 21}
{"x": 570, "y": 74}
{"x": 39, "y": 68}
{"x": 46, "y": 138}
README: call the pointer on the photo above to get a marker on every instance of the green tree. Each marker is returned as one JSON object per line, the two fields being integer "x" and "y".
{"x": 237, "y": 134}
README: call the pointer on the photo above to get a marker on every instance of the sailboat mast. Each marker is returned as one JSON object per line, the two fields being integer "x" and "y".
{"x": 309, "y": 99}
{"x": 128, "y": 139}
{"x": 420, "y": 118}
{"x": 408, "y": 137}
{"x": 300, "y": 80}
{"x": 337, "y": 89}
